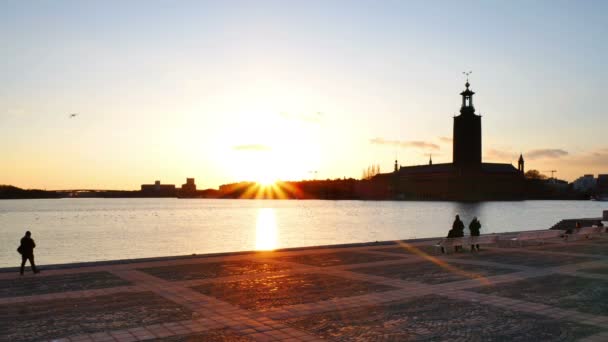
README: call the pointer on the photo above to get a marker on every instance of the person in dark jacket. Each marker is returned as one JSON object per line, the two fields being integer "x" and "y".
{"x": 450, "y": 235}
{"x": 27, "y": 252}
{"x": 458, "y": 228}
{"x": 474, "y": 228}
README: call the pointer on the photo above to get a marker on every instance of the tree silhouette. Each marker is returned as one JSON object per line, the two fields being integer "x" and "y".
{"x": 371, "y": 171}
{"x": 534, "y": 174}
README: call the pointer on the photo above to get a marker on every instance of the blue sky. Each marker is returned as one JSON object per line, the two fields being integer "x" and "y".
{"x": 232, "y": 90}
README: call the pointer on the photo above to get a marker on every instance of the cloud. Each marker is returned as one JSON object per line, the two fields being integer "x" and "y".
{"x": 405, "y": 144}
{"x": 547, "y": 153}
{"x": 315, "y": 117}
{"x": 432, "y": 155}
{"x": 496, "y": 154}
{"x": 595, "y": 158}
{"x": 446, "y": 140}
{"x": 252, "y": 147}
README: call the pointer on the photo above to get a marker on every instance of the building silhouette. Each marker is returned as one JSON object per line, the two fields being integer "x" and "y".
{"x": 466, "y": 141}
{"x": 189, "y": 186}
{"x": 466, "y": 178}
{"x": 158, "y": 190}
{"x": 602, "y": 186}
{"x": 188, "y": 189}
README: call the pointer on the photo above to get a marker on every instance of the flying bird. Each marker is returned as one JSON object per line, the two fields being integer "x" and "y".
{"x": 73, "y": 115}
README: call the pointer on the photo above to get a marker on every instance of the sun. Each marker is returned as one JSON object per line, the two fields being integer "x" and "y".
{"x": 266, "y": 180}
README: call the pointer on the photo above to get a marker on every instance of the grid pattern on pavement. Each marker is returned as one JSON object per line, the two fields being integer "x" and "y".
{"x": 343, "y": 293}
{"x": 59, "y": 283}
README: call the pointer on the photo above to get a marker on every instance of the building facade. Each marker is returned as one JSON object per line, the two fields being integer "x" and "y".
{"x": 158, "y": 190}
{"x": 586, "y": 183}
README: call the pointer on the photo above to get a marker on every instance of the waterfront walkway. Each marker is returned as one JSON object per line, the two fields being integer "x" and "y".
{"x": 557, "y": 291}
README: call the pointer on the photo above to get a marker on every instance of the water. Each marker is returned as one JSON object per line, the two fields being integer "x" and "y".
{"x": 75, "y": 230}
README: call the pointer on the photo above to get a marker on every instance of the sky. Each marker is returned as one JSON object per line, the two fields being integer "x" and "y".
{"x": 227, "y": 91}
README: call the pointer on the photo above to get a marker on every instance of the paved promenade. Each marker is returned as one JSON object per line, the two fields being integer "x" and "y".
{"x": 557, "y": 291}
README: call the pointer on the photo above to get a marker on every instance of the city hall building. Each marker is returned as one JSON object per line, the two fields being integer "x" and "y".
{"x": 466, "y": 178}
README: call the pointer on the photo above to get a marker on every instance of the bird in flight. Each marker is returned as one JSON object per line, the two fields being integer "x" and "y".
{"x": 73, "y": 115}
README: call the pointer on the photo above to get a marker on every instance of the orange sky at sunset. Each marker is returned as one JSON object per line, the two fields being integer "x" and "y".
{"x": 266, "y": 91}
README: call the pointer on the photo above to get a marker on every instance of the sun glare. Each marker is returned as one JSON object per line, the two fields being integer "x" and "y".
{"x": 269, "y": 147}
{"x": 266, "y": 180}
{"x": 266, "y": 232}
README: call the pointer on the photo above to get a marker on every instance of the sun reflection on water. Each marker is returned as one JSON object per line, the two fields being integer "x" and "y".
{"x": 266, "y": 230}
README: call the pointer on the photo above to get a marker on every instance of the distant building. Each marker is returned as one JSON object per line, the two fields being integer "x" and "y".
{"x": 602, "y": 184}
{"x": 188, "y": 190}
{"x": 158, "y": 190}
{"x": 466, "y": 178}
{"x": 189, "y": 186}
{"x": 586, "y": 183}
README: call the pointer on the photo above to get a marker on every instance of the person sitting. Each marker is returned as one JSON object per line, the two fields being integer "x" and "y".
{"x": 451, "y": 234}
{"x": 570, "y": 231}
{"x": 600, "y": 224}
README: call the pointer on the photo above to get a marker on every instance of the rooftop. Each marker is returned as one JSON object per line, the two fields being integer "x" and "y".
{"x": 450, "y": 167}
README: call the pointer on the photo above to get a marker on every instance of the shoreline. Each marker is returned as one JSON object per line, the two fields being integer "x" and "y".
{"x": 112, "y": 262}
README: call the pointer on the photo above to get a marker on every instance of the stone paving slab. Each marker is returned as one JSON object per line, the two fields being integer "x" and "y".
{"x": 212, "y": 270}
{"x": 65, "y": 317}
{"x": 276, "y": 291}
{"x": 530, "y": 259}
{"x": 433, "y": 273}
{"x": 334, "y": 259}
{"x": 37, "y": 285}
{"x": 596, "y": 270}
{"x": 596, "y": 249}
{"x": 563, "y": 291}
{"x": 434, "y": 318}
{"x": 410, "y": 250}
{"x": 217, "y": 335}
{"x": 403, "y": 291}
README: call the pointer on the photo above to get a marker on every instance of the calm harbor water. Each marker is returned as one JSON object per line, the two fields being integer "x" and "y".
{"x": 75, "y": 230}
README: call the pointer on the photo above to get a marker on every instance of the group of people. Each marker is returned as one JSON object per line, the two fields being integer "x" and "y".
{"x": 458, "y": 231}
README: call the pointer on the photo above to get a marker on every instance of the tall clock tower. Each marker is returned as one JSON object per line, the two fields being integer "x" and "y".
{"x": 467, "y": 133}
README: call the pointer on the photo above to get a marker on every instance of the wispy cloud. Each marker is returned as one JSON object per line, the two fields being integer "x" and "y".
{"x": 252, "y": 147}
{"x": 446, "y": 140}
{"x": 405, "y": 144}
{"x": 506, "y": 155}
{"x": 595, "y": 158}
{"x": 433, "y": 155}
{"x": 600, "y": 152}
{"x": 315, "y": 117}
{"x": 496, "y": 154}
{"x": 12, "y": 112}
{"x": 547, "y": 153}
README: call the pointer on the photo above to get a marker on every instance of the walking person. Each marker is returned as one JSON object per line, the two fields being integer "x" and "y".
{"x": 458, "y": 228}
{"x": 26, "y": 249}
{"x": 474, "y": 228}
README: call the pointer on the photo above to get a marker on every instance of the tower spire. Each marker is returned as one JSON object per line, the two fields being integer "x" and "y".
{"x": 520, "y": 163}
{"x": 467, "y": 73}
{"x": 467, "y": 96}
{"x": 466, "y": 143}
